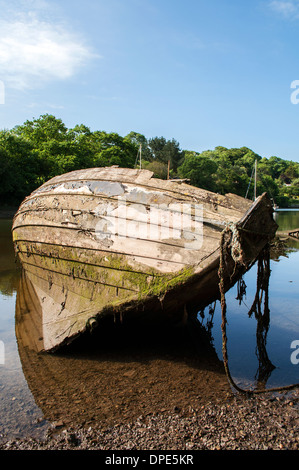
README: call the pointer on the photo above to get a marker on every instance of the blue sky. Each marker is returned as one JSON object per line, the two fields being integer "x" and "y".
{"x": 204, "y": 72}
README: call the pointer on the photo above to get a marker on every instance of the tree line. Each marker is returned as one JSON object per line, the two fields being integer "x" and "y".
{"x": 34, "y": 152}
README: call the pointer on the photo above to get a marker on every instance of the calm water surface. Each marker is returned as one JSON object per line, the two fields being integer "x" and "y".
{"x": 20, "y": 414}
{"x": 284, "y": 319}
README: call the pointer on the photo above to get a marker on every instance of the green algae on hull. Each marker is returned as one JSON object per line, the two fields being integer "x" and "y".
{"x": 112, "y": 270}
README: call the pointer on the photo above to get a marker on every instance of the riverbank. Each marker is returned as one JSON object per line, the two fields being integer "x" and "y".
{"x": 241, "y": 423}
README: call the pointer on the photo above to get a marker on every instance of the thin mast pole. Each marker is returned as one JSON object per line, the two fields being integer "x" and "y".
{"x": 255, "y": 179}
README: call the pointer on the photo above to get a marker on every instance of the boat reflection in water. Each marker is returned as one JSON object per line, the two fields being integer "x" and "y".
{"x": 259, "y": 309}
{"x": 116, "y": 372}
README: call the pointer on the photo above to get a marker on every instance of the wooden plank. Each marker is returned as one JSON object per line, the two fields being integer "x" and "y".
{"x": 157, "y": 253}
{"x": 144, "y": 179}
{"x": 93, "y": 204}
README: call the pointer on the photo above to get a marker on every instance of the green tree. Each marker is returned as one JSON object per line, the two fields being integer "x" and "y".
{"x": 112, "y": 149}
{"x": 41, "y": 148}
{"x": 159, "y": 169}
{"x": 137, "y": 139}
{"x": 19, "y": 168}
{"x": 291, "y": 172}
{"x": 161, "y": 150}
{"x": 277, "y": 166}
{"x": 46, "y": 128}
{"x": 199, "y": 170}
{"x": 53, "y": 146}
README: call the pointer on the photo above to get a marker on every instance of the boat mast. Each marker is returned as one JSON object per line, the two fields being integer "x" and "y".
{"x": 255, "y": 178}
{"x": 138, "y": 155}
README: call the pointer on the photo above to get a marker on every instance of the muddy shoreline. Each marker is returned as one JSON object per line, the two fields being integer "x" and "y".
{"x": 133, "y": 392}
{"x": 239, "y": 423}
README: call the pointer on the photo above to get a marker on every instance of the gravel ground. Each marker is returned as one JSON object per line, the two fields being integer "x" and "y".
{"x": 257, "y": 423}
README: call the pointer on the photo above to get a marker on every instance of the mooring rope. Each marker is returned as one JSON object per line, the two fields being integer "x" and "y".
{"x": 236, "y": 253}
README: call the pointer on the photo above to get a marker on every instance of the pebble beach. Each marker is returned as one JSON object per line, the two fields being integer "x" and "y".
{"x": 241, "y": 423}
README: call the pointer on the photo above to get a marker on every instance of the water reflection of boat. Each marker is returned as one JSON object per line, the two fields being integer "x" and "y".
{"x": 259, "y": 309}
{"x": 9, "y": 275}
{"x": 117, "y": 242}
{"x": 111, "y": 376}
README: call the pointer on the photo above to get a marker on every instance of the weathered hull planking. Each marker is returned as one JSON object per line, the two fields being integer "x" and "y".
{"x": 118, "y": 242}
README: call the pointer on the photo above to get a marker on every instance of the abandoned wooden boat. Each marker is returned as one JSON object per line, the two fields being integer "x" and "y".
{"x": 119, "y": 243}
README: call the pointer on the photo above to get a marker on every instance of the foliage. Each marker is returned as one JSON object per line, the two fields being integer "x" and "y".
{"x": 36, "y": 151}
{"x": 159, "y": 169}
{"x": 40, "y": 149}
{"x": 234, "y": 173}
{"x": 199, "y": 170}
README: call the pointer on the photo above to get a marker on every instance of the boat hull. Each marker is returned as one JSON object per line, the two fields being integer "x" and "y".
{"x": 120, "y": 244}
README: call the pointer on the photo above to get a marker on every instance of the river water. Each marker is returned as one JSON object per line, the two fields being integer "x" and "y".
{"x": 23, "y": 408}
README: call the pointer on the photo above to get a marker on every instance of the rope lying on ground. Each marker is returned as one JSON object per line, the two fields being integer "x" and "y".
{"x": 236, "y": 253}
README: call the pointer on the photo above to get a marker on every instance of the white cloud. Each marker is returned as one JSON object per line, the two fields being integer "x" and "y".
{"x": 288, "y": 8}
{"x": 34, "y": 50}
